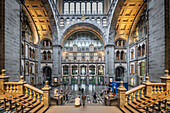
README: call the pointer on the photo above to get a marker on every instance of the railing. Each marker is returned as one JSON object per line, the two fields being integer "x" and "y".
{"x": 33, "y": 93}
{"x": 11, "y": 97}
{"x": 134, "y": 94}
{"x": 157, "y": 97}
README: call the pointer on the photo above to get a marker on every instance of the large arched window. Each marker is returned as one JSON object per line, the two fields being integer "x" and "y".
{"x": 94, "y": 8}
{"x": 132, "y": 54}
{"x": 139, "y": 51}
{"x": 122, "y": 55}
{"x": 83, "y": 70}
{"x": 65, "y": 70}
{"x": 66, "y": 8}
{"x": 74, "y": 70}
{"x": 77, "y": 8}
{"x": 71, "y": 8}
{"x": 91, "y": 70}
{"x": 49, "y": 55}
{"x": 100, "y": 70}
{"x": 119, "y": 73}
{"x": 100, "y": 8}
{"x": 117, "y": 55}
{"x": 45, "y": 55}
{"x": 143, "y": 49}
{"x": 88, "y": 8}
{"x": 83, "y": 8}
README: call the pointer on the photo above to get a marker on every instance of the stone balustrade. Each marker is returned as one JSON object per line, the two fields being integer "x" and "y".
{"x": 21, "y": 88}
{"x": 146, "y": 89}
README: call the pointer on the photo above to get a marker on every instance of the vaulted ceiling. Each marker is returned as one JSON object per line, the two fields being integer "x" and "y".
{"x": 126, "y": 18}
{"x": 40, "y": 18}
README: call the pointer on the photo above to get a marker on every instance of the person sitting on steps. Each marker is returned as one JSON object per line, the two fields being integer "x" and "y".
{"x": 77, "y": 102}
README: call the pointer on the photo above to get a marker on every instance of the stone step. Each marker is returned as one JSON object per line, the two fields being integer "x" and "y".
{"x": 131, "y": 109}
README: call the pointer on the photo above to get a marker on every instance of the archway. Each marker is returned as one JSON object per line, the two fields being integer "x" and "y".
{"x": 47, "y": 74}
{"x": 119, "y": 73}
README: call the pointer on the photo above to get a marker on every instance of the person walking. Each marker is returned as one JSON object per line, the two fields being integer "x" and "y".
{"x": 82, "y": 91}
{"x": 94, "y": 98}
{"x": 83, "y": 99}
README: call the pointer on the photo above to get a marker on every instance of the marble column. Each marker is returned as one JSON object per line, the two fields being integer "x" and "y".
{"x": 57, "y": 68}
{"x": 109, "y": 56}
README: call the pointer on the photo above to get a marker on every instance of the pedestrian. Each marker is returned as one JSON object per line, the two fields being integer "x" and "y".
{"x": 94, "y": 98}
{"x": 66, "y": 97}
{"x": 83, "y": 99}
{"x": 82, "y": 90}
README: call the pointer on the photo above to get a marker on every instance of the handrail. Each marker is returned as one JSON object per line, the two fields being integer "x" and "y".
{"x": 12, "y": 83}
{"x": 137, "y": 106}
{"x": 31, "y": 105}
{"x": 33, "y": 88}
{"x": 160, "y": 84}
{"x": 134, "y": 89}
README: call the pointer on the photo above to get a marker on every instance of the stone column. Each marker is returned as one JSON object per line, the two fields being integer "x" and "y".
{"x": 46, "y": 94}
{"x": 121, "y": 95}
{"x": 109, "y": 61}
{"x": 166, "y": 79}
{"x": 57, "y": 68}
{"x": 21, "y": 86}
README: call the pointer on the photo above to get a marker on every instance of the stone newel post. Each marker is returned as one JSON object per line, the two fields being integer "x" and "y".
{"x": 3, "y": 78}
{"x": 166, "y": 79}
{"x": 121, "y": 95}
{"x": 148, "y": 87}
{"x": 46, "y": 94}
{"x": 21, "y": 86}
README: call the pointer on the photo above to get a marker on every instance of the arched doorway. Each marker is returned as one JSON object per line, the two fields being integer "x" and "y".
{"x": 47, "y": 72}
{"x": 119, "y": 73}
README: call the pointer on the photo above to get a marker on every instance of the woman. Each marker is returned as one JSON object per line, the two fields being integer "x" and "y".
{"x": 77, "y": 102}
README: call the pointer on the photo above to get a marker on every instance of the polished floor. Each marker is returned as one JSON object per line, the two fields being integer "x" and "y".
{"x": 74, "y": 90}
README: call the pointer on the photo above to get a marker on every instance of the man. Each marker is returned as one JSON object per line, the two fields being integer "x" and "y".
{"x": 95, "y": 97}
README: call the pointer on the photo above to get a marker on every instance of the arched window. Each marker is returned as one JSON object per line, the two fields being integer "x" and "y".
{"x": 33, "y": 56}
{"x": 100, "y": 70}
{"x": 117, "y": 55}
{"x": 23, "y": 50}
{"x": 94, "y": 8}
{"x": 132, "y": 54}
{"x": 74, "y": 70}
{"x": 65, "y": 70}
{"x": 132, "y": 69}
{"x": 71, "y": 8}
{"x": 45, "y": 56}
{"x": 139, "y": 51}
{"x": 88, "y": 8}
{"x": 46, "y": 43}
{"x": 92, "y": 70}
{"x": 119, "y": 73}
{"x": 66, "y": 10}
{"x": 83, "y": 8}
{"x": 30, "y": 52}
{"x": 83, "y": 70}
{"x": 49, "y": 55}
{"x": 77, "y": 8}
{"x": 143, "y": 49}
{"x": 122, "y": 55}
{"x": 100, "y": 8}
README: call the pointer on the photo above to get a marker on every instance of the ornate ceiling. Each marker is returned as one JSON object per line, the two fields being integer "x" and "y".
{"x": 40, "y": 18}
{"x": 126, "y": 18}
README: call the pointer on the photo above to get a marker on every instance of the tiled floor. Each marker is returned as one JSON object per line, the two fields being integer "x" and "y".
{"x": 86, "y": 109}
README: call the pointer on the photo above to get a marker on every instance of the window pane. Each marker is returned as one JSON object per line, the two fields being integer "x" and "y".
{"x": 71, "y": 8}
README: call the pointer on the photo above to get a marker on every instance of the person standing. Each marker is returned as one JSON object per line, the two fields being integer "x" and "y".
{"x": 83, "y": 99}
{"x": 94, "y": 97}
{"x": 77, "y": 102}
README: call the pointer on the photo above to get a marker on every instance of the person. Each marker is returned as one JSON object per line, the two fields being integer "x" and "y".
{"x": 77, "y": 102}
{"x": 66, "y": 97}
{"x": 94, "y": 97}
{"x": 39, "y": 88}
{"x": 82, "y": 90}
{"x": 83, "y": 99}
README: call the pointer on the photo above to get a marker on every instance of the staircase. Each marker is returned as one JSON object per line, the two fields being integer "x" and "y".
{"x": 146, "y": 98}
{"x": 22, "y": 97}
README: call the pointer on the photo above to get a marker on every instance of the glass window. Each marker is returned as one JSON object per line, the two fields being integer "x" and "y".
{"x": 74, "y": 70}
{"x": 88, "y": 8}
{"x": 100, "y": 70}
{"x": 66, "y": 10}
{"x": 83, "y": 8}
{"x": 71, "y": 8}
{"x": 100, "y": 8}
{"x": 91, "y": 70}
{"x": 83, "y": 70}
{"x": 65, "y": 70}
{"x": 77, "y": 8}
{"x": 94, "y": 8}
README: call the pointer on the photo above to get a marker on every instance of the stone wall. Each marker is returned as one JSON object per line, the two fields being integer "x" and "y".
{"x": 12, "y": 39}
{"x": 156, "y": 20}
